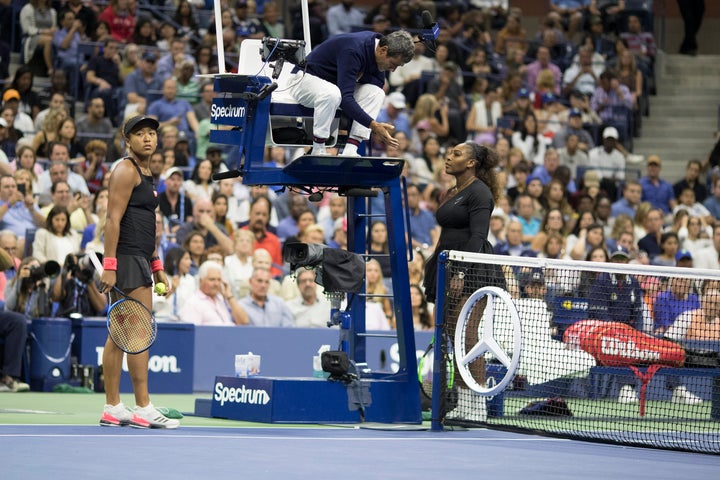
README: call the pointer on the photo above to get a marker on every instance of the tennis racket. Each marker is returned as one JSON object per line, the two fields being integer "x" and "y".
{"x": 131, "y": 325}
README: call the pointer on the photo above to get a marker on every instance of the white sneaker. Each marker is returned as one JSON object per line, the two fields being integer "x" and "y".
{"x": 628, "y": 395}
{"x": 683, "y": 395}
{"x": 116, "y": 416}
{"x": 154, "y": 418}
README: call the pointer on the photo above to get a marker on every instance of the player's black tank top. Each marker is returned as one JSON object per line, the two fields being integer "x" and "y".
{"x": 137, "y": 226}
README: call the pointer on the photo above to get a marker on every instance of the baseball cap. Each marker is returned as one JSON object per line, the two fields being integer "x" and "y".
{"x": 532, "y": 177}
{"x": 575, "y": 112}
{"x": 683, "y": 254}
{"x": 397, "y": 100}
{"x": 523, "y": 93}
{"x": 654, "y": 159}
{"x": 611, "y": 132}
{"x": 171, "y": 171}
{"x": 620, "y": 252}
{"x": 149, "y": 57}
{"x": 548, "y": 97}
{"x": 212, "y": 149}
{"x": 11, "y": 94}
{"x": 3, "y": 122}
{"x": 140, "y": 121}
{"x": 533, "y": 276}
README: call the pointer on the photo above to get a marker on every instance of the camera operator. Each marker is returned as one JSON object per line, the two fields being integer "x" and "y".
{"x": 27, "y": 292}
{"x": 75, "y": 289}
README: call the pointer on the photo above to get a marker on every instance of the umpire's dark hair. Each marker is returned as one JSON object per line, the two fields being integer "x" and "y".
{"x": 486, "y": 161}
{"x": 399, "y": 43}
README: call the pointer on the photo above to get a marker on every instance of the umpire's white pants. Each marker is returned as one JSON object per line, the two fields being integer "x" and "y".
{"x": 324, "y": 97}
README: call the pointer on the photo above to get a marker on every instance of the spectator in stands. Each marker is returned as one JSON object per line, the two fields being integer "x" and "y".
{"x": 627, "y": 205}
{"x": 139, "y": 86}
{"x": 168, "y": 62}
{"x": 530, "y": 141}
{"x": 4, "y": 161}
{"x": 342, "y": 17}
{"x": 629, "y": 75}
{"x": 431, "y": 117}
{"x": 57, "y": 103}
{"x": 424, "y": 228}
{"x": 87, "y": 16}
{"x": 22, "y": 83}
{"x": 712, "y": 203}
{"x": 447, "y": 89}
{"x": 120, "y": 19}
{"x": 144, "y": 33}
{"x": 58, "y": 170}
{"x": 103, "y": 76}
{"x": 38, "y": 22}
{"x": 204, "y": 223}
{"x": 574, "y": 127}
{"x": 692, "y": 180}
{"x": 609, "y": 96}
{"x": 260, "y": 211}
{"x": 188, "y": 86}
{"x": 264, "y": 309}
{"x": 375, "y": 285}
{"x": 239, "y": 266}
{"x": 66, "y": 41}
{"x": 95, "y": 122}
{"x": 541, "y": 63}
{"x": 657, "y": 191}
{"x": 641, "y": 44}
{"x": 695, "y": 209}
{"x": 202, "y": 107}
{"x": 13, "y": 134}
{"x": 610, "y": 11}
{"x": 553, "y": 223}
{"x": 669, "y": 246}
{"x": 174, "y": 205}
{"x": 310, "y": 308}
{"x": 394, "y": 113}
{"x": 56, "y": 240}
{"x": 653, "y": 223}
{"x": 20, "y": 120}
{"x": 513, "y": 244}
{"x": 513, "y": 36}
{"x": 49, "y": 130}
{"x": 170, "y": 110}
{"x": 608, "y": 158}
{"x": 702, "y": 323}
{"x": 546, "y": 171}
{"x": 271, "y": 24}
{"x": 583, "y": 76}
{"x": 79, "y": 206}
{"x": 317, "y": 21}
{"x": 482, "y": 121}
{"x": 199, "y": 185}
{"x": 572, "y": 13}
{"x": 695, "y": 236}
{"x": 93, "y": 169}
{"x": 186, "y": 18}
{"x": 18, "y": 212}
{"x": 213, "y": 303}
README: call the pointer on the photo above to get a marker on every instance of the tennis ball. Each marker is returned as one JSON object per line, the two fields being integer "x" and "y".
{"x": 160, "y": 288}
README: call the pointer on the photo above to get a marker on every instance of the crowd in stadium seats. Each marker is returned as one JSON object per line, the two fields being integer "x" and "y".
{"x": 561, "y": 107}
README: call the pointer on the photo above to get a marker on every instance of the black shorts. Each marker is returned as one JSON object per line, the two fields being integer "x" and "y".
{"x": 133, "y": 271}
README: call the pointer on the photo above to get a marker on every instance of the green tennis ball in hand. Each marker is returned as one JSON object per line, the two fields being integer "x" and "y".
{"x": 160, "y": 288}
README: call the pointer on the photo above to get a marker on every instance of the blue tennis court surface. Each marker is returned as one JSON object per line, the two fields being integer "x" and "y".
{"x": 78, "y": 452}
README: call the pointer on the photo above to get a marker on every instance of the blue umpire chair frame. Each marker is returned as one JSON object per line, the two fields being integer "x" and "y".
{"x": 241, "y": 111}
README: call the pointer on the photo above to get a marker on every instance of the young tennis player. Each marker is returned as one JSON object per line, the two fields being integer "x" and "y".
{"x": 131, "y": 264}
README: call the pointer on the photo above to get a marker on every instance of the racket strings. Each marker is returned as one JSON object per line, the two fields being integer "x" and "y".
{"x": 131, "y": 326}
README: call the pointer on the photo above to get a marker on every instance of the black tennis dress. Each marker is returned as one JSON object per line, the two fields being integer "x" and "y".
{"x": 465, "y": 221}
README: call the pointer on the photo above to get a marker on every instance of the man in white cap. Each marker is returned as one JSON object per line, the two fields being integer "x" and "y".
{"x": 607, "y": 158}
{"x": 394, "y": 113}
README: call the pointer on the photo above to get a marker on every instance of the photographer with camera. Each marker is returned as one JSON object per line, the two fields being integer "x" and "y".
{"x": 56, "y": 240}
{"x": 27, "y": 292}
{"x": 75, "y": 289}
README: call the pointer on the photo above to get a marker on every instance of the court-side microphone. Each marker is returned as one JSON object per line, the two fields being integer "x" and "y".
{"x": 223, "y": 175}
{"x": 430, "y": 30}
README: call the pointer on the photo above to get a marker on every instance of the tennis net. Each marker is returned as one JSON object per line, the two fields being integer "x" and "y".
{"x": 610, "y": 351}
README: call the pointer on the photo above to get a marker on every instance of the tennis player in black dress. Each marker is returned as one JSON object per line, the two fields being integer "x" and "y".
{"x": 464, "y": 218}
{"x": 131, "y": 264}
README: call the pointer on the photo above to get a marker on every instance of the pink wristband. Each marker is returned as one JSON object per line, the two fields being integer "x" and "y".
{"x": 156, "y": 266}
{"x": 110, "y": 263}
